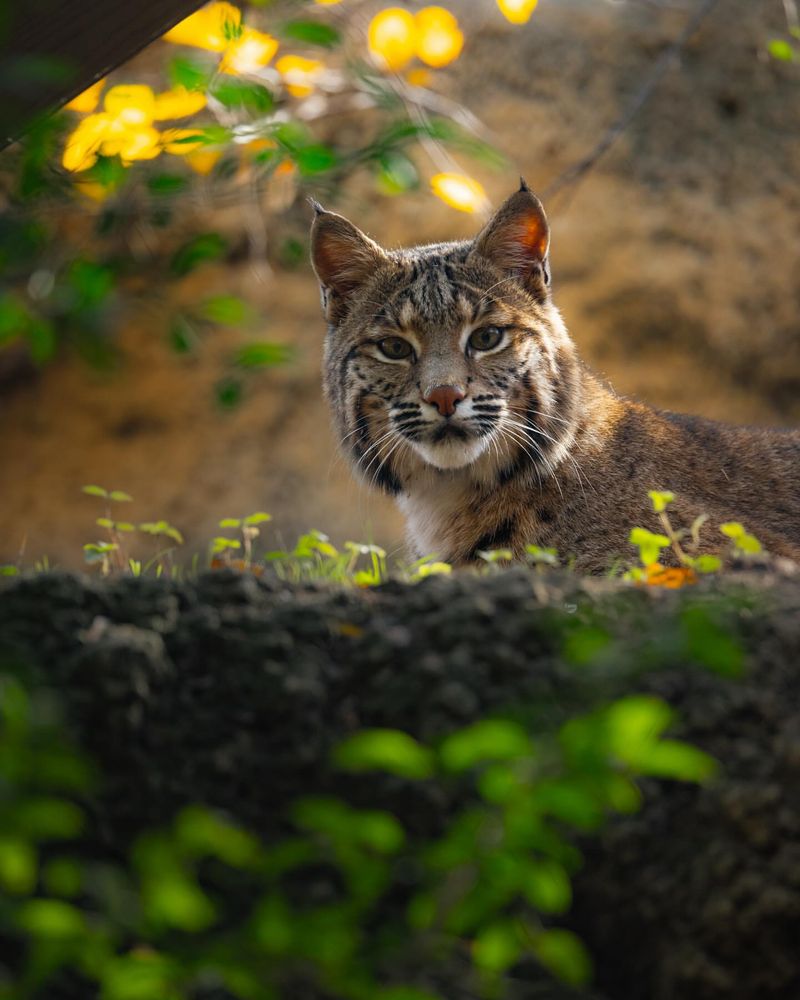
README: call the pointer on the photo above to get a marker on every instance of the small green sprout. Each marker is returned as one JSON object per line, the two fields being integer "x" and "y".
{"x": 222, "y": 544}
{"x": 744, "y": 544}
{"x": 660, "y": 500}
{"x": 649, "y": 544}
{"x": 429, "y": 566}
{"x": 541, "y": 557}
{"x": 118, "y": 496}
{"x": 495, "y": 555}
{"x": 161, "y": 528}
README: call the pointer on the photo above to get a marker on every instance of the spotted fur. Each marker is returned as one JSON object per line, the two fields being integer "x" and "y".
{"x": 537, "y": 449}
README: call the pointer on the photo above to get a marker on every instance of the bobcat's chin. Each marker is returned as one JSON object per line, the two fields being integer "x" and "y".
{"x": 451, "y": 453}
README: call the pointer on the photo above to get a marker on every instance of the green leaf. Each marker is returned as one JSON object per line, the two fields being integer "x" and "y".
{"x": 167, "y": 184}
{"x": 780, "y": 49}
{"x": 142, "y": 975}
{"x": 227, "y": 310}
{"x": 563, "y": 954}
{"x": 491, "y": 739}
{"x": 583, "y": 646}
{"x": 183, "y": 72}
{"x": 48, "y": 818}
{"x": 51, "y": 918}
{"x": 310, "y": 32}
{"x": 174, "y": 900}
{"x": 63, "y": 877}
{"x": 41, "y": 337}
{"x": 710, "y": 644}
{"x": 99, "y": 548}
{"x": 182, "y": 335}
{"x": 569, "y": 800}
{"x": 273, "y": 925}
{"x": 235, "y": 93}
{"x": 379, "y": 831}
{"x": 660, "y": 499}
{"x": 536, "y": 554}
{"x": 18, "y": 865}
{"x": 119, "y": 496}
{"x": 733, "y": 529}
{"x": 263, "y": 354}
{"x": 258, "y": 518}
{"x": 15, "y": 317}
{"x": 199, "y": 250}
{"x": 90, "y": 282}
{"x": 496, "y": 555}
{"x": 230, "y": 522}
{"x": 679, "y": 761}
{"x": 547, "y": 887}
{"x": 109, "y": 172}
{"x": 385, "y": 750}
{"x": 404, "y": 993}
{"x": 208, "y": 135}
{"x": 315, "y": 159}
{"x": 9, "y": 570}
{"x": 707, "y": 564}
{"x": 94, "y": 491}
{"x": 222, "y": 544}
{"x": 202, "y": 833}
{"x": 497, "y": 947}
{"x": 649, "y": 544}
{"x": 396, "y": 173}
{"x": 634, "y": 724}
{"x": 229, "y": 392}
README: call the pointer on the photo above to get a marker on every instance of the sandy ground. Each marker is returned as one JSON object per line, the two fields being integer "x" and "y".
{"x": 675, "y": 262}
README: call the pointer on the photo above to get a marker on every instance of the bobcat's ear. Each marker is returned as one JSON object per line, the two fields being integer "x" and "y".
{"x": 343, "y": 258}
{"x": 517, "y": 239}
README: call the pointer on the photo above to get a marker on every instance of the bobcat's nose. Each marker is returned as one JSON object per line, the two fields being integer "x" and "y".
{"x": 444, "y": 398}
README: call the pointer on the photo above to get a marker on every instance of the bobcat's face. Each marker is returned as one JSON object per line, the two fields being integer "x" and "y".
{"x": 448, "y": 356}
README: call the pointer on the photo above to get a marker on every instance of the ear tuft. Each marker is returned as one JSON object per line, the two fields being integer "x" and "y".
{"x": 318, "y": 209}
{"x": 523, "y": 184}
{"x": 343, "y": 258}
{"x": 517, "y": 240}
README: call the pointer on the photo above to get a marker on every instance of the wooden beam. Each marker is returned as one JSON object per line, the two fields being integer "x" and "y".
{"x": 51, "y": 50}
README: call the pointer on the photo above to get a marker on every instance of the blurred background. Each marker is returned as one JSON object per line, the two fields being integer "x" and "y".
{"x": 160, "y": 330}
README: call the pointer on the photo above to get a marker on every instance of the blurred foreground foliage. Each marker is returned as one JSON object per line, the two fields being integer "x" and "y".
{"x": 349, "y": 903}
{"x": 200, "y": 151}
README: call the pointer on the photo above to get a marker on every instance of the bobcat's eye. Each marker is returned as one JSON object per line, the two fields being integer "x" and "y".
{"x": 485, "y": 338}
{"x": 395, "y": 348}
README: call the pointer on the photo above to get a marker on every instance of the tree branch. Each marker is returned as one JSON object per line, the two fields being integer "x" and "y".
{"x": 579, "y": 169}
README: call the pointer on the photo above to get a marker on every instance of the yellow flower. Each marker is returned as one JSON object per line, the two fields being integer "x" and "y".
{"x": 418, "y": 77}
{"x": 130, "y": 104}
{"x": 212, "y": 27}
{"x": 178, "y": 103}
{"x": 86, "y": 101}
{"x": 327, "y": 3}
{"x": 83, "y": 144}
{"x": 299, "y": 74}
{"x": 124, "y": 128}
{"x": 249, "y": 52}
{"x": 517, "y": 11}
{"x": 91, "y": 189}
{"x": 459, "y": 191}
{"x": 392, "y": 37}
{"x": 439, "y": 39}
{"x": 202, "y": 161}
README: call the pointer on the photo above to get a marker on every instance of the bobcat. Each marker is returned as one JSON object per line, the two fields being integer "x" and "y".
{"x": 456, "y": 388}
